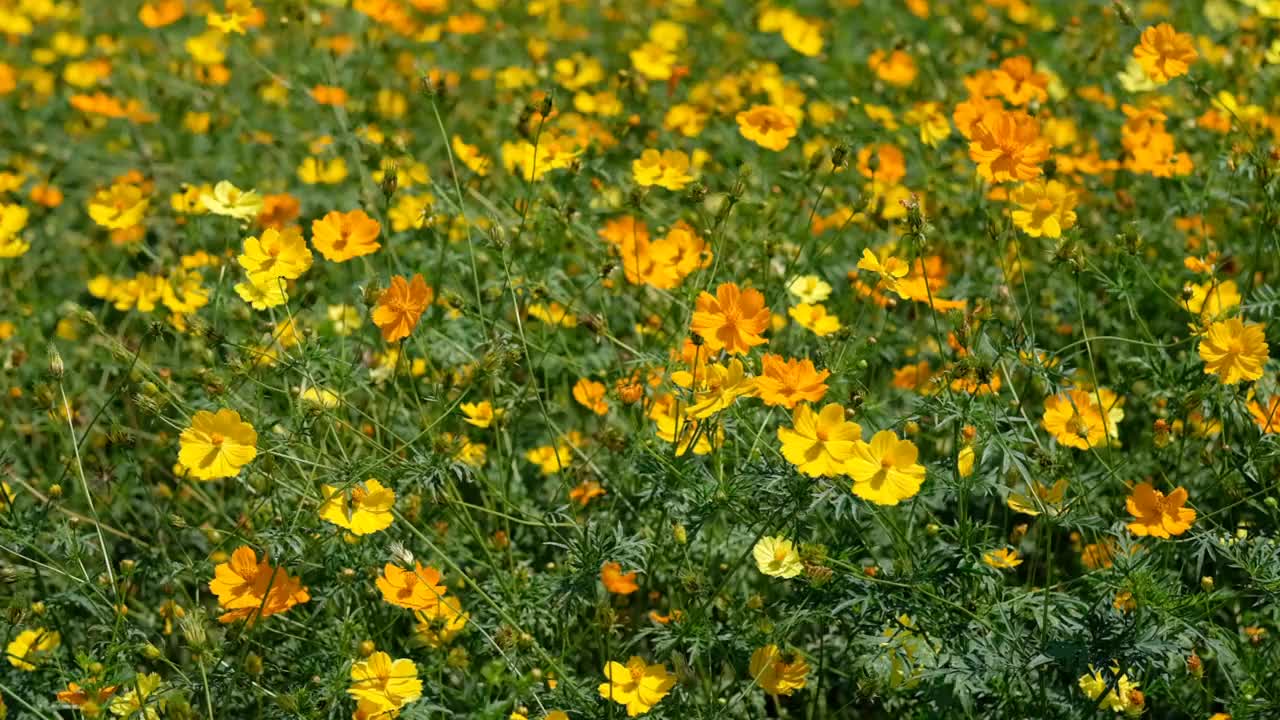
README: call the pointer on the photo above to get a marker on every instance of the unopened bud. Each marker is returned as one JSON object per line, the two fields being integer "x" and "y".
{"x": 56, "y": 367}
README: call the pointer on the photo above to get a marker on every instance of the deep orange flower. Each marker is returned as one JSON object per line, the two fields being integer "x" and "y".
{"x": 329, "y": 95}
{"x": 616, "y": 581}
{"x": 732, "y": 319}
{"x": 162, "y": 12}
{"x": 585, "y": 492}
{"x": 341, "y": 236}
{"x": 1165, "y": 53}
{"x": 1157, "y": 514}
{"x": 785, "y": 382}
{"x": 417, "y": 589}
{"x": 401, "y": 305}
{"x": 248, "y": 589}
{"x": 1007, "y": 146}
{"x": 590, "y": 395}
{"x": 278, "y": 210}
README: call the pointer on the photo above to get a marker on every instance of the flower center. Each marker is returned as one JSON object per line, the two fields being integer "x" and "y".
{"x": 217, "y": 438}
{"x": 636, "y": 673}
{"x": 1077, "y": 426}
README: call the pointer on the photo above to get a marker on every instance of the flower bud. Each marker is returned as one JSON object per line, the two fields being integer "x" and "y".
{"x": 56, "y": 368}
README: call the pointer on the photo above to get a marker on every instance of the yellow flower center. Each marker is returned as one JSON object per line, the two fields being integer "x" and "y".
{"x": 217, "y": 438}
{"x": 1044, "y": 205}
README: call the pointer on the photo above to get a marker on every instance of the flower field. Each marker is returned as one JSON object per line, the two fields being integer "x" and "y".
{"x": 687, "y": 359}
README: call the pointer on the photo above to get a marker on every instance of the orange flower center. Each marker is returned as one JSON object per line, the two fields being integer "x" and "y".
{"x": 1077, "y": 426}
{"x": 217, "y": 438}
{"x": 636, "y": 673}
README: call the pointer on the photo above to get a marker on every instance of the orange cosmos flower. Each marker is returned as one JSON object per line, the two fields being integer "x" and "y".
{"x": 585, "y": 492}
{"x": 86, "y": 698}
{"x": 786, "y": 382}
{"x": 896, "y": 67}
{"x": 1019, "y": 83}
{"x": 616, "y": 581}
{"x": 732, "y": 320}
{"x": 1266, "y": 418}
{"x": 341, "y": 236}
{"x": 329, "y": 95}
{"x": 590, "y": 395}
{"x": 278, "y": 210}
{"x": 1164, "y": 53}
{"x": 767, "y": 126}
{"x": 400, "y": 306}
{"x": 248, "y": 589}
{"x": 164, "y": 12}
{"x": 1007, "y": 146}
{"x": 417, "y": 589}
{"x": 1157, "y": 514}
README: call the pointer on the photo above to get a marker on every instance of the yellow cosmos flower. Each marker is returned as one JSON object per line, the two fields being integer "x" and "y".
{"x": 30, "y": 647}
{"x": 814, "y": 318}
{"x": 388, "y": 685}
{"x": 439, "y": 625}
{"x": 230, "y": 201}
{"x": 262, "y": 292}
{"x": 1042, "y": 498}
{"x": 667, "y": 169}
{"x": 809, "y": 289}
{"x": 965, "y": 460}
{"x": 470, "y": 156}
{"x": 771, "y": 671}
{"x": 320, "y": 397}
{"x": 1117, "y": 692}
{"x": 1002, "y": 559}
{"x": 1234, "y": 351}
{"x": 117, "y": 207}
{"x": 13, "y": 218}
{"x": 885, "y": 470}
{"x": 317, "y": 171}
{"x": 1075, "y": 419}
{"x": 363, "y": 510}
{"x": 890, "y": 270}
{"x": 1213, "y": 299}
{"x": 777, "y": 557}
{"x": 276, "y": 254}
{"x": 1044, "y": 208}
{"x": 481, "y": 414}
{"x": 715, "y": 387}
{"x": 653, "y": 61}
{"x": 819, "y": 444}
{"x": 636, "y": 685}
{"x": 217, "y": 445}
